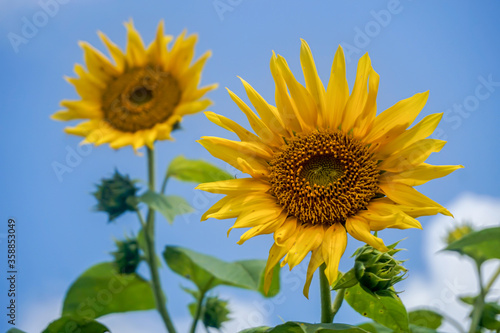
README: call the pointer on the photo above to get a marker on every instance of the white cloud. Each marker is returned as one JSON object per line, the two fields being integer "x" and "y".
{"x": 451, "y": 275}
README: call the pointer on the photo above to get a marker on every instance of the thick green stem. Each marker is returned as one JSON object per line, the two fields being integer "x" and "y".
{"x": 337, "y": 302}
{"x": 326, "y": 296}
{"x": 479, "y": 303}
{"x": 149, "y": 234}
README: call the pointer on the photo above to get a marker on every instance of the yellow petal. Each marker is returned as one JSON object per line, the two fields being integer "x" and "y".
{"x": 289, "y": 114}
{"x": 337, "y": 92}
{"x": 313, "y": 82}
{"x": 411, "y": 156}
{"x": 381, "y": 216}
{"x": 258, "y": 216}
{"x": 232, "y": 126}
{"x": 192, "y": 107}
{"x": 77, "y": 110}
{"x": 275, "y": 254}
{"x": 136, "y": 53}
{"x": 258, "y": 125}
{"x": 229, "y": 151}
{"x": 216, "y": 207}
{"x": 263, "y": 229}
{"x": 315, "y": 261}
{"x": 366, "y": 119}
{"x": 420, "y": 174}
{"x": 360, "y": 229}
{"x": 393, "y": 121}
{"x": 98, "y": 65}
{"x": 418, "y": 132}
{"x": 302, "y": 99}
{"x": 407, "y": 195}
{"x": 267, "y": 113}
{"x": 309, "y": 239}
{"x": 356, "y": 103}
{"x": 252, "y": 170}
{"x": 333, "y": 247}
{"x": 234, "y": 186}
{"x": 287, "y": 230}
{"x": 114, "y": 51}
{"x": 158, "y": 48}
{"x": 241, "y": 203}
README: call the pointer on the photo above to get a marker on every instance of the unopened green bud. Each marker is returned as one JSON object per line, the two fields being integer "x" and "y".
{"x": 116, "y": 195}
{"x": 127, "y": 256}
{"x": 377, "y": 272}
{"x": 216, "y": 312}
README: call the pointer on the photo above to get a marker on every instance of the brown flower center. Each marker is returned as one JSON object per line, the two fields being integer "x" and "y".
{"x": 140, "y": 98}
{"x": 323, "y": 178}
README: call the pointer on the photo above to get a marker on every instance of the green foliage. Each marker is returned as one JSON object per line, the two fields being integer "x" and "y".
{"x": 425, "y": 318}
{"x": 206, "y": 271}
{"x": 386, "y": 310}
{"x": 116, "y": 195}
{"x": 15, "y": 330}
{"x": 197, "y": 171}
{"x": 102, "y": 289}
{"x": 127, "y": 256}
{"x": 298, "y": 327}
{"x": 75, "y": 324}
{"x": 374, "y": 327}
{"x": 168, "y": 205}
{"x": 347, "y": 280}
{"x": 490, "y": 316}
{"x": 480, "y": 245}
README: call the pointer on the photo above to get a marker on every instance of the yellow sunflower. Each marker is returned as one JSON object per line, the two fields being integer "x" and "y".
{"x": 142, "y": 96}
{"x": 322, "y": 164}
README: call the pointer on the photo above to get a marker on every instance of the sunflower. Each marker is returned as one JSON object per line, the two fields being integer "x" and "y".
{"x": 140, "y": 98}
{"x": 322, "y": 164}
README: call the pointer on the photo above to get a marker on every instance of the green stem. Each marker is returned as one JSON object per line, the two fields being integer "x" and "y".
{"x": 477, "y": 312}
{"x": 326, "y": 296}
{"x": 164, "y": 184}
{"x": 149, "y": 233}
{"x": 492, "y": 281}
{"x": 197, "y": 315}
{"x": 337, "y": 302}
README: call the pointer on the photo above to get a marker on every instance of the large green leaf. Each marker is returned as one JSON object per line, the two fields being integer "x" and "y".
{"x": 420, "y": 329}
{"x": 207, "y": 271}
{"x": 168, "y": 205}
{"x": 425, "y": 318}
{"x": 374, "y": 327}
{"x": 197, "y": 171}
{"x": 386, "y": 310}
{"x": 255, "y": 268}
{"x": 480, "y": 245}
{"x": 75, "y": 324}
{"x": 15, "y": 330}
{"x": 101, "y": 290}
{"x": 298, "y": 327}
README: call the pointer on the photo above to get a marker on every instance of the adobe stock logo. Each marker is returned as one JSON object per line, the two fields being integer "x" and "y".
{"x": 32, "y": 25}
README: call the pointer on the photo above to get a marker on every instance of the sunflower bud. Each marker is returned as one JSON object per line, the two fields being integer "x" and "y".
{"x": 127, "y": 256}
{"x": 215, "y": 313}
{"x": 458, "y": 232}
{"x": 378, "y": 271}
{"x": 115, "y": 196}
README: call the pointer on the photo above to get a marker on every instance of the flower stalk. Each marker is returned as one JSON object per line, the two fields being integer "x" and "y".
{"x": 149, "y": 233}
{"x": 326, "y": 296}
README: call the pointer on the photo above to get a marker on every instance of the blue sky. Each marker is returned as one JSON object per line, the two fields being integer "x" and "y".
{"x": 448, "y": 48}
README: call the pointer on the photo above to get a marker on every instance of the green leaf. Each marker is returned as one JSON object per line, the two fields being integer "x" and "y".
{"x": 15, "y": 330}
{"x": 298, "y": 327}
{"x": 386, "y": 310}
{"x": 374, "y": 327}
{"x": 101, "y": 290}
{"x": 75, "y": 324}
{"x": 168, "y": 205}
{"x": 420, "y": 329}
{"x": 480, "y": 245}
{"x": 489, "y": 318}
{"x": 207, "y": 271}
{"x": 425, "y": 318}
{"x": 197, "y": 171}
{"x": 255, "y": 269}
{"x": 347, "y": 280}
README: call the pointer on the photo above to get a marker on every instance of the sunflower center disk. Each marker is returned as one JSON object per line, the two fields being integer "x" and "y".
{"x": 323, "y": 178}
{"x": 140, "y": 98}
